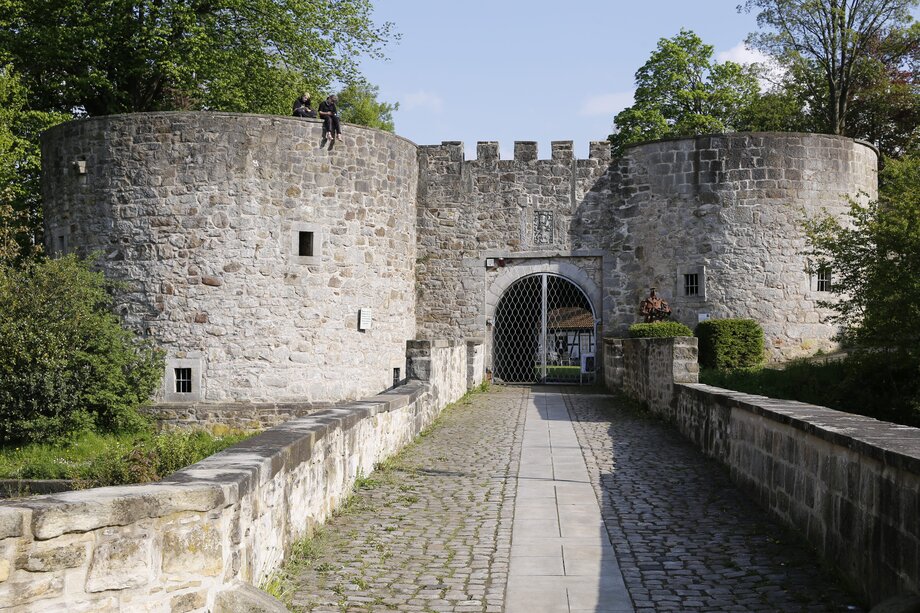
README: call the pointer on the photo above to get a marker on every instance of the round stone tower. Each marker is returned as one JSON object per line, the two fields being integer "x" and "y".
{"x": 717, "y": 223}
{"x": 268, "y": 267}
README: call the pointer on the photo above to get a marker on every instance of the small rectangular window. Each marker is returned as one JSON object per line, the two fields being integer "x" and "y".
{"x": 183, "y": 380}
{"x": 692, "y": 284}
{"x": 305, "y": 244}
{"x": 824, "y": 279}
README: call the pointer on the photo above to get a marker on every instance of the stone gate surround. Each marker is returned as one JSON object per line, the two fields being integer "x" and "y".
{"x": 514, "y": 271}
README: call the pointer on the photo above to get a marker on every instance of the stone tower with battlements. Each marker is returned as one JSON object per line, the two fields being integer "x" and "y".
{"x": 271, "y": 269}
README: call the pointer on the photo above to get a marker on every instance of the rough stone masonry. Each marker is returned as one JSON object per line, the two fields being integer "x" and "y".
{"x": 273, "y": 270}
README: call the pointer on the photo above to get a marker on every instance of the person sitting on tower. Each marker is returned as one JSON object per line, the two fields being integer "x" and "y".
{"x": 302, "y": 106}
{"x": 654, "y": 308}
{"x": 329, "y": 113}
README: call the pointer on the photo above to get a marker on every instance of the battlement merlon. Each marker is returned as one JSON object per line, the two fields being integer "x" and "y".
{"x": 487, "y": 152}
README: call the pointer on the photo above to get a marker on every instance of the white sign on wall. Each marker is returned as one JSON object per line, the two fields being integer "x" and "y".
{"x": 364, "y": 319}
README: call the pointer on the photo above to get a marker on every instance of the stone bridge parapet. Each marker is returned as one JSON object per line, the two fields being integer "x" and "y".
{"x": 176, "y": 545}
{"x": 850, "y": 484}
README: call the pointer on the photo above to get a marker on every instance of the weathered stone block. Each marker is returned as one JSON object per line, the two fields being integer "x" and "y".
{"x": 27, "y": 588}
{"x": 193, "y": 549}
{"x": 182, "y": 603}
{"x": 119, "y": 564}
{"x": 44, "y": 559}
{"x": 11, "y": 521}
{"x": 243, "y": 598}
{"x": 85, "y": 510}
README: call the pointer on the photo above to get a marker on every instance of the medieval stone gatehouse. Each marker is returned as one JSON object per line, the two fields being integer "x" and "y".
{"x": 271, "y": 269}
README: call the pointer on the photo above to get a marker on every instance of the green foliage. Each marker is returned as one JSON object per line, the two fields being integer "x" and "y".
{"x": 879, "y": 385}
{"x": 730, "y": 343}
{"x": 65, "y": 362}
{"x": 875, "y": 260}
{"x": 358, "y": 104}
{"x": 20, "y": 165}
{"x": 96, "y": 460}
{"x": 659, "y": 329}
{"x": 115, "y": 56}
{"x": 830, "y": 47}
{"x": 681, "y": 91}
{"x": 781, "y": 110}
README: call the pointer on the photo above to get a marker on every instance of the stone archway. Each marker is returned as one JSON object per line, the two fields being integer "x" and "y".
{"x": 543, "y": 328}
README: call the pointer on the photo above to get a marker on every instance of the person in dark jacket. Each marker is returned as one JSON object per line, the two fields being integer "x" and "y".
{"x": 302, "y": 107}
{"x": 329, "y": 113}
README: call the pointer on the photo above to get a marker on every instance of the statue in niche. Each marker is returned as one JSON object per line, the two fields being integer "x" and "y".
{"x": 654, "y": 308}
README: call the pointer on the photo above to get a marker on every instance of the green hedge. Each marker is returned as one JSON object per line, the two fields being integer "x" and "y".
{"x": 659, "y": 329}
{"x": 730, "y": 343}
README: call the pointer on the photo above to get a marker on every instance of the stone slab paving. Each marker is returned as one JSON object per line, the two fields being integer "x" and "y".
{"x": 685, "y": 537}
{"x": 497, "y": 509}
{"x": 561, "y": 558}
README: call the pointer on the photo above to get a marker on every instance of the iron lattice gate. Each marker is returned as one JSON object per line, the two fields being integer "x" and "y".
{"x": 544, "y": 331}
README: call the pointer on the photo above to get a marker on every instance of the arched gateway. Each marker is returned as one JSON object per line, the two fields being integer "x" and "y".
{"x": 544, "y": 330}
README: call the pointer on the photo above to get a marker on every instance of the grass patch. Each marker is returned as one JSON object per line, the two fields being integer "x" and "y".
{"x": 95, "y": 460}
{"x": 282, "y": 584}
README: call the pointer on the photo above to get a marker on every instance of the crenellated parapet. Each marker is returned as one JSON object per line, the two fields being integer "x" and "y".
{"x": 488, "y": 152}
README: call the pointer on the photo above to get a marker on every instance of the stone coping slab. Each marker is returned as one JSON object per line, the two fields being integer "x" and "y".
{"x": 894, "y": 445}
{"x": 212, "y": 483}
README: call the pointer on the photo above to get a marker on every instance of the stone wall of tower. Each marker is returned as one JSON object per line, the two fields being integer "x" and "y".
{"x": 731, "y": 209}
{"x": 200, "y": 215}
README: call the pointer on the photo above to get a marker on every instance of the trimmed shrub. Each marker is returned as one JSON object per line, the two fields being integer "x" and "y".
{"x": 659, "y": 329}
{"x": 730, "y": 343}
{"x": 66, "y": 364}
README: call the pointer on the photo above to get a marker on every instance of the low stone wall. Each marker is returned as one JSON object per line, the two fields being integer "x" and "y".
{"x": 850, "y": 484}
{"x": 176, "y": 544}
{"x": 236, "y": 415}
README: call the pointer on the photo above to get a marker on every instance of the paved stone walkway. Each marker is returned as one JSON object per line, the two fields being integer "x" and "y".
{"x": 452, "y": 524}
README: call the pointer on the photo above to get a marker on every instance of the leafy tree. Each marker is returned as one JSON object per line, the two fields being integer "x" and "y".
{"x": 886, "y": 102}
{"x": 114, "y": 56}
{"x": 20, "y": 165}
{"x": 358, "y": 104}
{"x": 875, "y": 257}
{"x": 827, "y": 45}
{"x": 681, "y": 91}
{"x": 65, "y": 362}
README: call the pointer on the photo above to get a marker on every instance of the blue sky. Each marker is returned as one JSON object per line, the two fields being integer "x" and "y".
{"x": 507, "y": 70}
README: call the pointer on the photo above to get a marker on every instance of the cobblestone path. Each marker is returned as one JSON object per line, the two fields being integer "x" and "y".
{"x": 685, "y": 537}
{"x": 432, "y": 530}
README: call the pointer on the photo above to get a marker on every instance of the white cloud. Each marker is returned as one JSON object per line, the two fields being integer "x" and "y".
{"x": 422, "y": 100}
{"x": 742, "y": 54}
{"x": 771, "y": 72}
{"x": 606, "y": 104}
